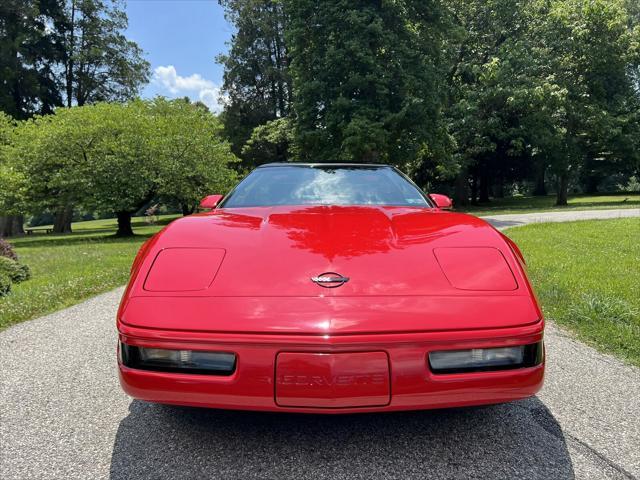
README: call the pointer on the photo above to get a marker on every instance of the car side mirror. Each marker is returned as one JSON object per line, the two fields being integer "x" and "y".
{"x": 210, "y": 202}
{"x": 442, "y": 201}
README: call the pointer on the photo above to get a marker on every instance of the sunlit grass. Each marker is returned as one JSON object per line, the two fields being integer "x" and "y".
{"x": 522, "y": 204}
{"x": 587, "y": 276}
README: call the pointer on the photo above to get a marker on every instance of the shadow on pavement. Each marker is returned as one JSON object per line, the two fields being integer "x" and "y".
{"x": 517, "y": 440}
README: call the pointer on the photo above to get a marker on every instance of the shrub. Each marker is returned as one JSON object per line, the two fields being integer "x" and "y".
{"x": 5, "y": 284}
{"x": 16, "y": 272}
{"x": 6, "y": 250}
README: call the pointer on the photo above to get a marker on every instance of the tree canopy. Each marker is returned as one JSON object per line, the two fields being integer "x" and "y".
{"x": 116, "y": 158}
{"x": 472, "y": 94}
{"x": 256, "y": 82}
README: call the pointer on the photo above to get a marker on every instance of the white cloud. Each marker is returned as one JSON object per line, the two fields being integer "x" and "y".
{"x": 207, "y": 91}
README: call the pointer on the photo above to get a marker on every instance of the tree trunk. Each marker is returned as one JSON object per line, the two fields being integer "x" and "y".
{"x": 124, "y": 224}
{"x": 187, "y": 209}
{"x": 70, "y": 55}
{"x": 474, "y": 189}
{"x": 540, "y": 189}
{"x": 62, "y": 222}
{"x": 461, "y": 194}
{"x": 563, "y": 187}
{"x": 18, "y": 224}
{"x": 591, "y": 184}
{"x": 11, "y": 225}
{"x": 498, "y": 188}
{"x": 484, "y": 187}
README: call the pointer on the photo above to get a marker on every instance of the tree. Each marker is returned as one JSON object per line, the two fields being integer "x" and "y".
{"x": 51, "y": 153}
{"x": 586, "y": 49}
{"x": 99, "y": 62}
{"x": 74, "y": 49}
{"x": 541, "y": 86}
{"x": 29, "y": 52}
{"x": 365, "y": 78}
{"x": 256, "y": 85}
{"x": 116, "y": 158}
{"x": 271, "y": 142}
{"x": 193, "y": 158}
{"x": 479, "y": 112}
{"x": 11, "y": 183}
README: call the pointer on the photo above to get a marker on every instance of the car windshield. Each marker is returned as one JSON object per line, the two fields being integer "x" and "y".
{"x": 325, "y": 185}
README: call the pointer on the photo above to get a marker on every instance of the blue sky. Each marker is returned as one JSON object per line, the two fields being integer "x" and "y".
{"x": 181, "y": 39}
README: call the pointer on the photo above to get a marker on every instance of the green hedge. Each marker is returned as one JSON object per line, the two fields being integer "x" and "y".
{"x": 5, "y": 283}
{"x": 11, "y": 272}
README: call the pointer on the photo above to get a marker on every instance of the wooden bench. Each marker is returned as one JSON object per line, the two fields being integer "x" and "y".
{"x": 29, "y": 231}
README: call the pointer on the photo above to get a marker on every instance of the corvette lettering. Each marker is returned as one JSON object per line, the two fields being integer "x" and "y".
{"x": 331, "y": 380}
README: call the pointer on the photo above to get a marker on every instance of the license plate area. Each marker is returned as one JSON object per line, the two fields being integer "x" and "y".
{"x": 332, "y": 380}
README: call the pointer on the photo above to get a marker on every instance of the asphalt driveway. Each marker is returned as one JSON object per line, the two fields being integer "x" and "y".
{"x": 64, "y": 416}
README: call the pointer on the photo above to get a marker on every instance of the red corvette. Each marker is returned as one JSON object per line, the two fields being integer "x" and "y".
{"x": 329, "y": 288}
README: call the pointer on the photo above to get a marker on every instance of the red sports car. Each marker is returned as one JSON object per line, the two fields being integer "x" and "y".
{"x": 329, "y": 288}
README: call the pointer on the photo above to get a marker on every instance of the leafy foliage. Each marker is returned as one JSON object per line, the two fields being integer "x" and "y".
{"x": 491, "y": 93}
{"x": 256, "y": 83}
{"x": 271, "y": 142}
{"x": 5, "y": 284}
{"x": 100, "y": 63}
{"x": 6, "y": 250}
{"x": 118, "y": 157}
{"x": 71, "y": 50}
{"x": 544, "y": 85}
{"x": 16, "y": 271}
{"x": 11, "y": 271}
{"x": 365, "y": 77}
{"x": 28, "y": 53}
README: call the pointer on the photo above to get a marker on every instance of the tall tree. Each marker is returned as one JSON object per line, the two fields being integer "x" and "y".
{"x": 74, "y": 50}
{"x": 588, "y": 49}
{"x": 482, "y": 124}
{"x": 100, "y": 63}
{"x": 365, "y": 77}
{"x": 540, "y": 87}
{"x": 29, "y": 51}
{"x": 256, "y": 84}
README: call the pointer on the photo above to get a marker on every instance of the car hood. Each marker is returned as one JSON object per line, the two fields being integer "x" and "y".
{"x": 276, "y": 251}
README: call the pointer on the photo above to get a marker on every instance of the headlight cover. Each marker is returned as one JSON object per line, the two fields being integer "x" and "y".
{"x": 184, "y": 269}
{"x": 178, "y": 361}
{"x": 476, "y": 268}
{"x": 485, "y": 359}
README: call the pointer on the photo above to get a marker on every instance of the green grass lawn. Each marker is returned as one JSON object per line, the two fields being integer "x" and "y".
{"x": 522, "y": 204}
{"x": 67, "y": 269}
{"x": 587, "y": 276}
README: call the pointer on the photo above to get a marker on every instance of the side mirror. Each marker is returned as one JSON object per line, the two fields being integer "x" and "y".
{"x": 210, "y": 202}
{"x": 442, "y": 201}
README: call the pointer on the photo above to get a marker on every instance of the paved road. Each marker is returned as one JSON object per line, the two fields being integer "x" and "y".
{"x": 517, "y": 219}
{"x": 63, "y": 416}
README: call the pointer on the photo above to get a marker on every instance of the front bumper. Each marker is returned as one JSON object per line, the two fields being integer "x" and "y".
{"x": 411, "y": 383}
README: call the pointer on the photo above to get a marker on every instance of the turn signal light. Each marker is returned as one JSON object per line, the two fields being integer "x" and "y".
{"x": 486, "y": 359}
{"x": 178, "y": 361}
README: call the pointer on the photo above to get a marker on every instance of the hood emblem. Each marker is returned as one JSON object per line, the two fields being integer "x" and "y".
{"x": 330, "y": 280}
